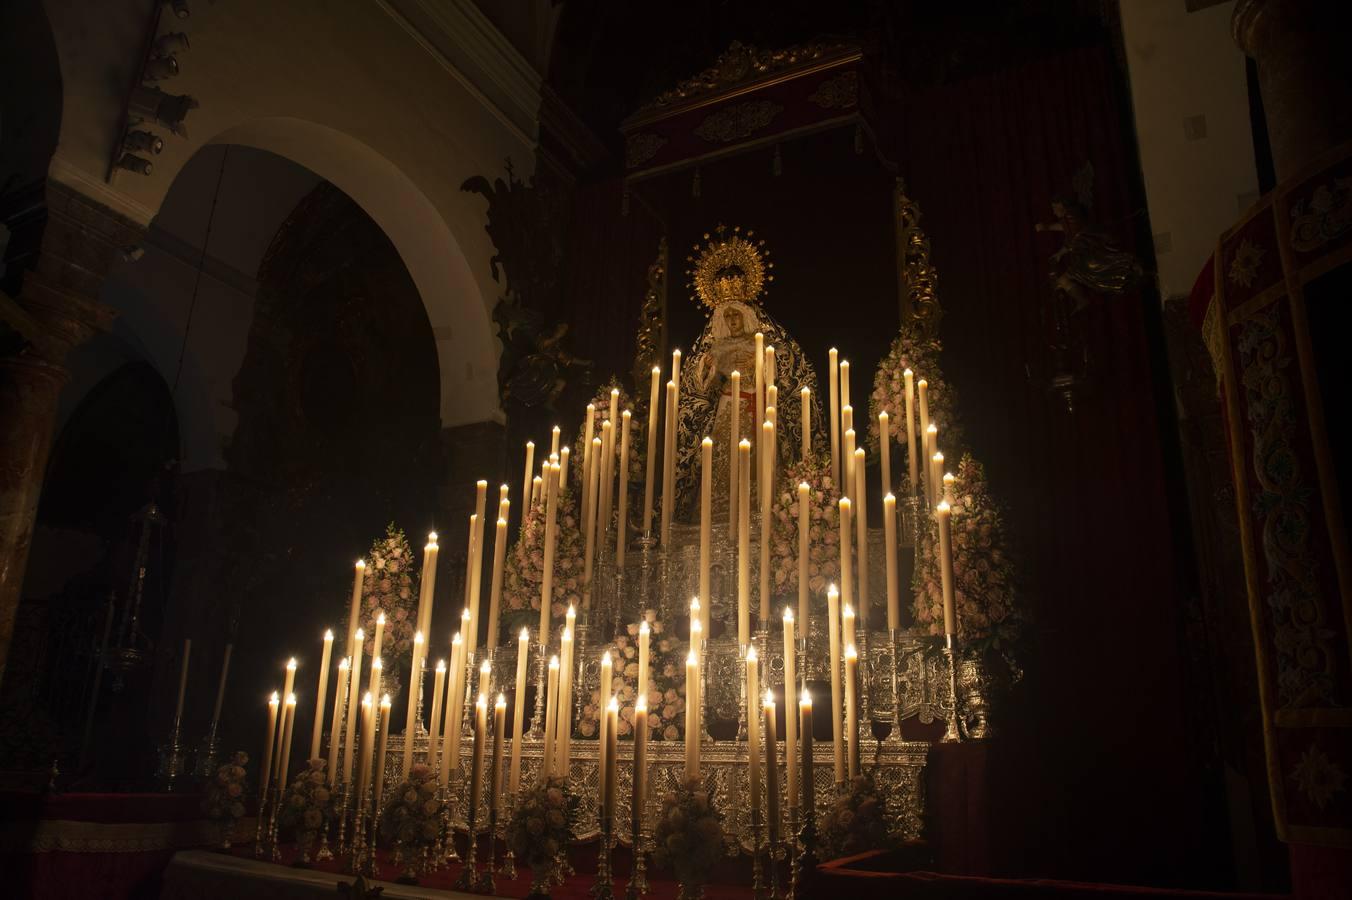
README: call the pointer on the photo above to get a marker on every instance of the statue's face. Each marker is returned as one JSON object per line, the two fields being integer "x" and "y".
{"x": 1058, "y": 209}
{"x": 734, "y": 320}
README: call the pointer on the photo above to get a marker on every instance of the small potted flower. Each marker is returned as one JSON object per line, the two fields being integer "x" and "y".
{"x": 307, "y": 806}
{"x": 411, "y": 819}
{"x": 857, "y": 821}
{"x": 688, "y": 839}
{"x": 224, "y": 801}
{"x": 541, "y": 829}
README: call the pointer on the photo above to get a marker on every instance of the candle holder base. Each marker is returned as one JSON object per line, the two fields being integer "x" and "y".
{"x": 469, "y": 875}
{"x": 172, "y": 757}
{"x": 509, "y": 865}
{"x": 603, "y": 887}
{"x": 952, "y": 733}
{"x": 638, "y": 877}
{"x": 208, "y": 757}
{"x": 757, "y": 875}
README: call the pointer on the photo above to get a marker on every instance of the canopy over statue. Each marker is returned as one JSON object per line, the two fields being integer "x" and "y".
{"x": 729, "y": 274}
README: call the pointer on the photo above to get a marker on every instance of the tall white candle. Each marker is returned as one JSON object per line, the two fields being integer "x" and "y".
{"x": 943, "y": 513}
{"x": 760, "y": 393}
{"x": 744, "y": 544}
{"x": 804, "y": 549}
{"x": 353, "y": 708}
{"x": 622, "y": 507}
{"x": 354, "y": 613}
{"x": 426, "y": 585}
{"x": 911, "y": 459}
{"x": 638, "y": 794}
{"x": 838, "y": 747}
{"x": 368, "y": 721}
{"x": 220, "y": 685}
{"x": 455, "y": 702}
{"x": 434, "y": 721}
{"x": 554, "y": 441}
{"x": 790, "y": 705}
{"x": 321, "y": 693}
{"x": 767, "y": 439}
{"x": 476, "y": 772}
{"x": 833, "y": 370}
{"x": 476, "y": 567}
{"x": 753, "y": 724}
{"x": 590, "y": 489}
{"x": 495, "y": 589}
{"x": 860, "y": 511}
{"x": 852, "y": 711}
{"x": 885, "y": 449}
{"x": 845, "y": 389}
{"x": 669, "y": 464}
{"x": 805, "y": 417}
{"x": 771, "y": 769}
{"x": 706, "y": 522}
{"x": 183, "y": 679}
{"x": 771, "y": 385}
{"x": 548, "y": 761}
{"x": 415, "y": 679}
{"x": 606, "y": 480}
{"x": 890, "y": 541}
{"x": 644, "y": 637}
{"x": 284, "y": 763}
{"x": 335, "y": 738}
{"x": 265, "y": 776}
{"x": 377, "y": 797}
{"x": 288, "y": 684}
{"x": 949, "y": 481}
{"x": 564, "y": 456}
{"x": 536, "y": 492}
{"x": 564, "y": 716}
{"x": 608, "y": 772}
{"x": 846, "y": 552}
{"x": 526, "y": 479}
{"x": 692, "y": 702}
{"x": 847, "y": 487}
{"x": 588, "y": 459}
{"x": 937, "y": 474}
{"x": 601, "y": 742}
{"x": 376, "y": 647}
{"x": 547, "y": 574}
{"x": 734, "y": 438}
{"x": 519, "y": 709}
{"x": 805, "y": 729}
{"x": 654, "y": 398}
{"x": 377, "y": 673}
{"x": 495, "y": 780}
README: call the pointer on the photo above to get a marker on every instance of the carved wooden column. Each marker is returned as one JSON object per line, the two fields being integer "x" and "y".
{"x": 70, "y": 243}
{"x": 1304, "y": 73}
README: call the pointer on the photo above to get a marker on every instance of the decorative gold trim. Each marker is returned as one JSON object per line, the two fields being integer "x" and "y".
{"x": 73, "y": 836}
{"x": 838, "y": 92}
{"x": 641, "y": 147}
{"x": 916, "y": 276}
{"x": 734, "y": 123}
{"x": 726, "y": 252}
{"x": 1256, "y": 303}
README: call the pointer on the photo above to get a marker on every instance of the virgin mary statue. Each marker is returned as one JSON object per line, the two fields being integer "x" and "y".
{"x": 729, "y": 275}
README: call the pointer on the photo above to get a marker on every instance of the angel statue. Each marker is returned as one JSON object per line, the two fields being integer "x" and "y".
{"x": 1088, "y": 260}
{"x": 729, "y": 275}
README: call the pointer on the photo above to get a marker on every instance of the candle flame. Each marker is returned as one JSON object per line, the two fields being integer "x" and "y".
{"x": 567, "y": 634}
{"x": 691, "y": 659}
{"x": 908, "y": 372}
{"x": 770, "y": 698}
{"x": 360, "y": 635}
{"x": 641, "y": 705}
{"x": 805, "y": 699}
{"x": 626, "y": 415}
{"x": 788, "y": 615}
{"x": 291, "y": 663}
{"x": 553, "y": 662}
{"x": 831, "y": 589}
{"x": 464, "y": 614}
{"x": 847, "y": 612}
{"x": 938, "y": 457}
{"x": 850, "y": 652}
{"x": 643, "y": 627}
{"x": 417, "y": 637}
{"x": 694, "y": 604}
{"x": 486, "y": 667}
{"x": 455, "y": 641}
{"x": 890, "y": 498}
{"x": 482, "y": 702}
{"x": 530, "y": 445}
{"x": 859, "y": 453}
{"x": 695, "y": 627}
{"x": 615, "y": 392}
{"x": 932, "y": 429}
{"x": 380, "y": 619}
{"x": 949, "y": 478}
{"x": 707, "y": 442}
{"x": 923, "y": 383}
{"x": 845, "y": 503}
{"x": 385, "y": 702}
{"x": 736, "y": 374}
{"x": 883, "y": 415}
{"x": 751, "y": 654}
{"x": 572, "y": 613}
{"x": 366, "y": 699}
{"x": 744, "y": 444}
{"x": 596, "y": 442}
{"x": 379, "y": 663}
{"x": 656, "y": 370}
{"x": 344, "y": 664}
{"x": 943, "y": 507}
{"x": 290, "y": 699}
{"x": 361, "y": 564}
{"x": 328, "y": 634}
{"x": 605, "y": 659}
{"x": 502, "y": 523}
{"x": 275, "y": 698}
{"x": 614, "y": 704}
{"x": 502, "y": 701}
{"x": 441, "y": 665}
{"x": 675, "y": 354}
{"x": 525, "y": 634}
{"x": 481, "y": 484}
{"x": 806, "y": 392}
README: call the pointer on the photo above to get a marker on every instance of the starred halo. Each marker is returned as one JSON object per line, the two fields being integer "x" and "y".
{"x": 729, "y": 251}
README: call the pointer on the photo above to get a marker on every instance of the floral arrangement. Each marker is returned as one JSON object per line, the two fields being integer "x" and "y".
{"x": 389, "y": 588}
{"x": 308, "y": 803}
{"x": 688, "y": 838}
{"x": 542, "y": 823}
{"x": 824, "y": 529}
{"x": 525, "y": 564}
{"x": 224, "y": 800}
{"x": 983, "y": 573}
{"x": 412, "y": 815}
{"x": 666, "y": 684}
{"x": 857, "y": 821}
{"x": 921, "y": 356}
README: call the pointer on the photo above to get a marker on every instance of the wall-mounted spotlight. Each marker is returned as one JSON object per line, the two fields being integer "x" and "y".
{"x": 150, "y": 104}
{"x": 180, "y": 8}
{"x": 160, "y": 68}
{"x": 170, "y": 43}
{"x": 133, "y": 163}
{"x": 143, "y": 142}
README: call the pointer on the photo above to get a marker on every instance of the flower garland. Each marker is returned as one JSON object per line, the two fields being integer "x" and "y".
{"x": 224, "y": 800}
{"x": 542, "y": 823}
{"x": 389, "y": 587}
{"x": 412, "y": 815}
{"x": 688, "y": 838}
{"x": 666, "y": 685}
{"x": 921, "y": 356}
{"x": 308, "y": 803}
{"x": 857, "y": 821}
{"x": 984, "y": 596}
{"x": 525, "y": 565}
{"x": 823, "y": 529}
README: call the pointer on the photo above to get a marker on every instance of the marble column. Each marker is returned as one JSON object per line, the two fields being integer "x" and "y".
{"x": 1304, "y": 74}
{"x": 69, "y": 243}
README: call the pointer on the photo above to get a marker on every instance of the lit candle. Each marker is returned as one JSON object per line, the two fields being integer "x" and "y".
{"x": 766, "y": 489}
{"x": 805, "y": 416}
{"x": 744, "y": 544}
{"x": 669, "y": 464}
{"x": 847, "y": 455}
{"x": 551, "y": 710}
{"x": 289, "y": 714}
{"x": 805, "y": 729}
{"x": 476, "y": 776}
{"x": 567, "y": 649}
{"x": 537, "y": 491}
{"x": 455, "y": 701}
{"x": 563, "y": 468}
{"x": 696, "y": 628}
{"x": 377, "y": 673}
{"x": 847, "y": 623}
{"x": 367, "y": 747}
{"x": 554, "y": 441}
{"x": 434, "y": 722}
{"x": 225, "y": 672}
{"x": 183, "y": 679}
{"x": 606, "y": 479}
{"x": 845, "y": 388}
{"x": 477, "y": 525}
{"x": 676, "y": 369}
{"x": 890, "y": 542}
{"x": 384, "y": 728}
{"x": 588, "y": 458}
{"x": 771, "y": 388}
{"x": 607, "y": 673}
{"x": 692, "y": 715}
{"x": 288, "y": 685}
{"x": 860, "y": 511}
{"x": 654, "y": 398}
{"x": 622, "y": 507}
{"x": 946, "y": 567}
{"x": 833, "y": 369}
{"x": 376, "y": 646}
{"x": 321, "y": 694}
{"x": 589, "y": 496}
{"x": 519, "y": 708}
{"x": 414, "y": 682}
{"x": 547, "y": 573}
{"x": 354, "y": 691}
{"x": 335, "y": 738}
{"x": 838, "y": 747}
{"x": 526, "y": 479}
{"x": 426, "y": 586}
{"x": 885, "y": 449}
{"x": 274, "y": 703}
{"x": 936, "y": 475}
{"x": 734, "y": 438}
{"x": 931, "y": 440}
{"x": 804, "y": 549}
{"x": 772, "y": 767}
{"x": 485, "y": 677}
{"x": 644, "y": 636}
{"x": 706, "y": 520}
{"x": 949, "y": 481}
{"x": 495, "y": 589}
{"x": 753, "y": 723}
{"x": 609, "y": 771}
{"x": 759, "y": 368}
{"x": 852, "y": 710}
{"x": 640, "y": 765}
{"x": 495, "y": 779}
{"x": 846, "y": 554}
{"x": 790, "y": 705}
{"x": 911, "y": 459}
{"x": 354, "y": 613}
{"x": 615, "y": 403}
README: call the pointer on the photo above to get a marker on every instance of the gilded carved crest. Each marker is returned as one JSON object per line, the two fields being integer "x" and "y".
{"x": 840, "y": 92}
{"x": 915, "y": 275}
{"x": 741, "y": 63}
{"x": 733, "y": 123}
{"x": 639, "y": 148}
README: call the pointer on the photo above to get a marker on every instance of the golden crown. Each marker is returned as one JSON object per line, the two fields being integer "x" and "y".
{"x": 729, "y": 252}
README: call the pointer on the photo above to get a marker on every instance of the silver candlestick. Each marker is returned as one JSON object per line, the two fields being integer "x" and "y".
{"x": 952, "y": 734}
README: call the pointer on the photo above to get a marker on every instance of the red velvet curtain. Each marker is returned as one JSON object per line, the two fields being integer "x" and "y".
{"x": 1093, "y": 778}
